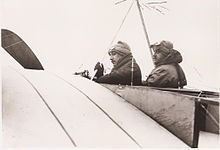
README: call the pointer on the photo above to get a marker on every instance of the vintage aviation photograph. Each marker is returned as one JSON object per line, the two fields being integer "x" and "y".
{"x": 110, "y": 74}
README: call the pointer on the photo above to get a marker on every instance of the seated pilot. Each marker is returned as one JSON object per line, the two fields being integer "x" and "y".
{"x": 123, "y": 71}
{"x": 167, "y": 72}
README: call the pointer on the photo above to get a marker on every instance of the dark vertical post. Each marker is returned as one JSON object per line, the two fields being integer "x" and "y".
{"x": 144, "y": 27}
{"x": 197, "y": 125}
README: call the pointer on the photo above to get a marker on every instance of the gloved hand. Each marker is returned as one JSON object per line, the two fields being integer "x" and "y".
{"x": 84, "y": 73}
{"x": 100, "y": 69}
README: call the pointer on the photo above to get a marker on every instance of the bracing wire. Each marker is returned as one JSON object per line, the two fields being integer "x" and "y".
{"x": 208, "y": 113}
{"x": 122, "y": 22}
{"x": 117, "y": 32}
{"x": 120, "y": 2}
{"x": 144, "y": 27}
{"x": 200, "y": 77}
{"x": 157, "y": 2}
{"x": 155, "y": 7}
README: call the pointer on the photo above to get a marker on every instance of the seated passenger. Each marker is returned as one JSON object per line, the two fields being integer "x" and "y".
{"x": 121, "y": 73}
{"x": 167, "y": 72}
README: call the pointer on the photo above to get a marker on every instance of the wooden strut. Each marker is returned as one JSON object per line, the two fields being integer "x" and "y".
{"x": 144, "y": 27}
{"x": 145, "y": 32}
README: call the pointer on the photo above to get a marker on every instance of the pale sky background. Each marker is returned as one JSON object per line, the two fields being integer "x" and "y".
{"x": 64, "y": 34}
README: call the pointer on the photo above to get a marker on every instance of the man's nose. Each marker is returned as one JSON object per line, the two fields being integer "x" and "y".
{"x": 111, "y": 57}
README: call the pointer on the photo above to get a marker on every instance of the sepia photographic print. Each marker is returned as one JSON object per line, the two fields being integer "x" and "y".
{"x": 110, "y": 73}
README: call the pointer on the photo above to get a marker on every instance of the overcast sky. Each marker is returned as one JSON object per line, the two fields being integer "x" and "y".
{"x": 72, "y": 35}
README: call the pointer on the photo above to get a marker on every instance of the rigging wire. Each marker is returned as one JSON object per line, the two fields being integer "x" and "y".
{"x": 156, "y": 7}
{"x": 207, "y": 112}
{"x": 195, "y": 71}
{"x": 210, "y": 115}
{"x": 122, "y": 22}
{"x": 156, "y": 2}
{"x": 94, "y": 73}
{"x": 120, "y": 2}
{"x": 144, "y": 27}
{"x": 158, "y": 10}
{"x": 117, "y": 32}
{"x": 163, "y": 7}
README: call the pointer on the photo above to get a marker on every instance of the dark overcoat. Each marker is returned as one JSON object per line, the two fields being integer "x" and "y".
{"x": 168, "y": 73}
{"x": 122, "y": 73}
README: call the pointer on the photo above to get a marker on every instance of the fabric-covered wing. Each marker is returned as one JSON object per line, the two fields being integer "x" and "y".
{"x": 19, "y": 50}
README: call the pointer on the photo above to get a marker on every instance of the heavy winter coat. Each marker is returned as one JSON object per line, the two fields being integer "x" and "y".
{"x": 121, "y": 73}
{"x": 168, "y": 72}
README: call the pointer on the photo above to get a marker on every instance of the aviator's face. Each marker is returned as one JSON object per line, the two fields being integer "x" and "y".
{"x": 158, "y": 57}
{"x": 114, "y": 57}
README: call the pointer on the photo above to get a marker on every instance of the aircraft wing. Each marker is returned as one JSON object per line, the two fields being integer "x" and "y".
{"x": 44, "y": 109}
